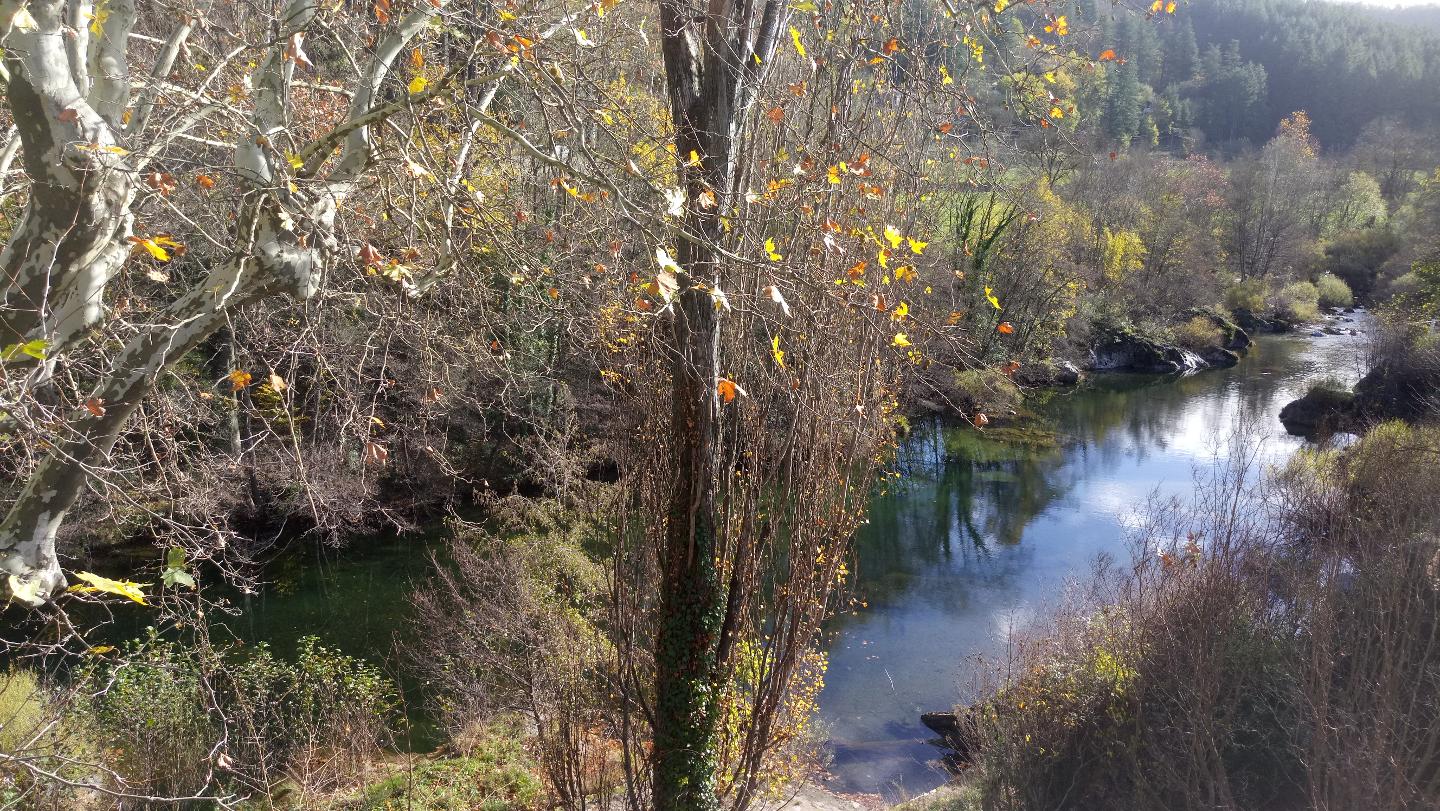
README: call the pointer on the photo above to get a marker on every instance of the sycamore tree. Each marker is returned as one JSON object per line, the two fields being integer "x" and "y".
{"x": 105, "y": 137}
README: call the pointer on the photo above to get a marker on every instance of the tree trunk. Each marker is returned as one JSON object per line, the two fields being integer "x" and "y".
{"x": 691, "y": 607}
{"x": 715, "y": 57}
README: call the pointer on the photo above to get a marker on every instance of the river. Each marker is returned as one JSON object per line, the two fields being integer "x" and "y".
{"x": 976, "y": 537}
{"x": 980, "y": 536}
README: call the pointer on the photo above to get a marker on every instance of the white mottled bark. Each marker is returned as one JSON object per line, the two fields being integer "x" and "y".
{"x": 72, "y": 237}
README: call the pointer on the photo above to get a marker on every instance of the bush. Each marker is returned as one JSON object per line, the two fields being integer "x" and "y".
{"x": 986, "y": 390}
{"x": 1333, "y": 291}
{"x": 35, "y": 728}
{"x": 1250, "y": 658}
{"x": 1247, "y": 296}
{"x": 1297, "y": 302}
{"x": 496, "y": 776}
{"x": 1198, "y": 334}
{"x": 161, "y": 707}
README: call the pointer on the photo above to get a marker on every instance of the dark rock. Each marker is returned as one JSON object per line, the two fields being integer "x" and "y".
{"x": 958, "y": 732}
{"x": 1123, "y": 350}
{"x": 1232, "y": 335}
{"x": 1334, "y": 331}
{"x": 1321, "y": 412}
{"x": 1220, "y": 358}
{"x": 1256, "y": 323}
{"x": 1406, "y": 389}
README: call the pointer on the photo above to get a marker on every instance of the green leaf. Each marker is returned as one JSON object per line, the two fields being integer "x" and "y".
{"x": 173, "y": 577}
{"x": 35, "y": 349}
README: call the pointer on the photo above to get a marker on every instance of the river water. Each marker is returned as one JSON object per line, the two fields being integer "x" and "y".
{"x": 980, "y": 536}
{"x": 976, "y": 537}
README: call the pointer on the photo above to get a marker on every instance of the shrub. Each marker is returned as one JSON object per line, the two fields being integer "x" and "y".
{"x": 986, "y": 390}
{"x": 1249, "y": 659}
{"x": 1333, "y": 291}
{"x": 35, "y": 729}
{"x": 1247, "y": 296}
{"x": 161, "y": 707}
{"x": 1198, "y": 334}
{"x": 497, "y": 775}
{"x": 1297, "y": 302}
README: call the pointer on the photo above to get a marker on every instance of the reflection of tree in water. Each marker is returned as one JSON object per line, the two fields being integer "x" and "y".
{"x": 962, "y": 493}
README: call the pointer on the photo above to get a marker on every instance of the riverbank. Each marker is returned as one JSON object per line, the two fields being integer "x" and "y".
{"x": 979, "y": 535}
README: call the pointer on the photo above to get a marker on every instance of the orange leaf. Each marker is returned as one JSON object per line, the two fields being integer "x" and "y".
{"x": 1107, "y": 55}
{"x": 369, "y": 255}
{"x": 238, "y": 379}
{"x": 728, "y": 388}
{"x": 981, "y": 419}
{"x": 95, "y": 406}
{"x": 776, "y": 114}
{"x": 205, "y": 181}
{"x": 376, "y": 454}
{"x": 1006, "y": 328}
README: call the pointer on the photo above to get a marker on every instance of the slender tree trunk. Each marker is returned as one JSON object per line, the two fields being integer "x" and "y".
{"x": 715, "y": 58}
{"x": 691, "y": 605}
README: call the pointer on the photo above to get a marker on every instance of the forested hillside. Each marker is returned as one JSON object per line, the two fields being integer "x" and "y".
{"x": 1232, "y": 69}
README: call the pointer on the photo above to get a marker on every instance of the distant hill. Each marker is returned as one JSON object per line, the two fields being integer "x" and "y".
{"x": 1234, "y": 68}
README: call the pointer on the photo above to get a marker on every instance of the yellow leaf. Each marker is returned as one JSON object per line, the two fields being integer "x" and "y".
{"x": 990, "y": 297}
{"x": 776, "y": 352}
{"x": 694, "y": 159}
{"x": 1170, "y": 7}
{"x": 770, "y": 251}
{"x": 945, "y": 76}
{"x": 155, "y": 246}
{"x": 795, "y": 38}
{"x": 418, "y": 85}
{"x": 294, "y": 160}
{"x": 905, "y": 273}
{"x": 98, "y": 18}
{"x": 901, "y": 310}
{"x": 121, "y": 588}
{"x": 900, "y": 340}
{"x": 916, "y": 246}
{"x": 893, "y": 236}
{"x": 1056, "y": 112}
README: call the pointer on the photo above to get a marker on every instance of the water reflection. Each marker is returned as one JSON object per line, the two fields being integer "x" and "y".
{"x": 980, "y": 535}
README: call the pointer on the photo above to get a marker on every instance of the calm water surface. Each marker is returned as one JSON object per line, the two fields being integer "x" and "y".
{"x": 978, "y": 538}
{"x": 981, "y": 536}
